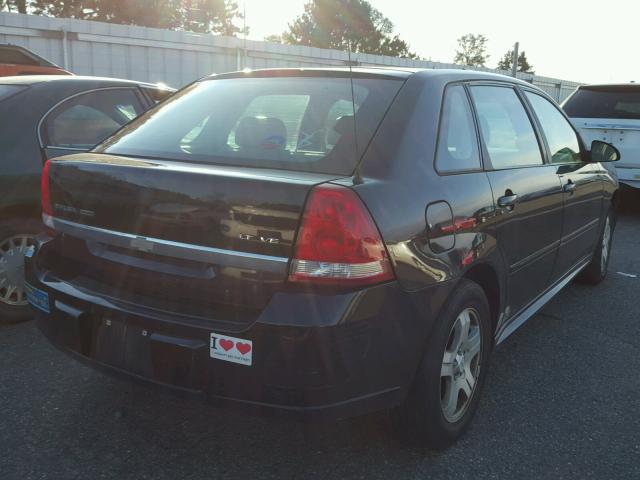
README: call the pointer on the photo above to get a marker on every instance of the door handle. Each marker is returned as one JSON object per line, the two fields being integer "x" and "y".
{"x": 508, "y": 201}
{"x": 569, "y": 187}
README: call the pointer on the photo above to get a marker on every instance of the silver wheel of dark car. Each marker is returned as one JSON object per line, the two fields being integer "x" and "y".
{"x": 12, "y": 250}
{"x": 596, "y": 271}
{"x": 447, "y": 386}
{"x": 460, "y": 365}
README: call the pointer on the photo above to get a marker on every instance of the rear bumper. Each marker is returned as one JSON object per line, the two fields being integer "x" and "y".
{"x": 319, "y": 356}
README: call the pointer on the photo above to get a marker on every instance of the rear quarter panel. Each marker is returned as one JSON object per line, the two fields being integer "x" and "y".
{"x": 400, "y": 182}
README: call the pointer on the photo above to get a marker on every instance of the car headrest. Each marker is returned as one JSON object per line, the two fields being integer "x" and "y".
{"x": 344, "y": 125}
{"x": 264, "y": 132}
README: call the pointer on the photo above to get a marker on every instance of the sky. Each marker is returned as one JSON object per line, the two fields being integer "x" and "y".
{"x": 586, "y": 41}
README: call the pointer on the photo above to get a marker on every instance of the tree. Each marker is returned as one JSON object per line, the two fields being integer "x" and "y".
{"x": 216, "y": 16}
{"x": 523, "y": 62}
{"x": 344, "y": 24}
{"x": 275, "y": 38}
{"x": 82, "y": 9}
{"x": 472, "y": 50}
{"x": 19, "y": 5}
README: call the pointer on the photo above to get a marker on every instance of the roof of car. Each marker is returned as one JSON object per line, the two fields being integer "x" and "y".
{"x": 611, "y": 86}
{"x": 64, "y": 79}
{"x": 395, "y": 72}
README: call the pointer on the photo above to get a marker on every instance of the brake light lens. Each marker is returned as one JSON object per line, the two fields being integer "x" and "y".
{"x": 46, "y": 196}
{"x": 338, "y": 242}
{"x": 47, "y": 209}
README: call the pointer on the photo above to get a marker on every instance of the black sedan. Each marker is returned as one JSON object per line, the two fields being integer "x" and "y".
{"x": 44, "y": 117}
{"x": 324, "y": 242}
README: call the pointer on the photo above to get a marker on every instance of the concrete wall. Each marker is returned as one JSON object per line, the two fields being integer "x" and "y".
{"x": 177, "y": 58}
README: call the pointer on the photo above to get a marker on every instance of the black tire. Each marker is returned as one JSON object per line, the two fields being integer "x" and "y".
{"x": 421, "y": 419}
{"x": 596, "y": 271}
{"x": 11, "y": 313}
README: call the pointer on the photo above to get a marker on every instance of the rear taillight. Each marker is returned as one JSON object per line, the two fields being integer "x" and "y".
{"x": 47, "y": 209}
{"x": 338, "y": 243}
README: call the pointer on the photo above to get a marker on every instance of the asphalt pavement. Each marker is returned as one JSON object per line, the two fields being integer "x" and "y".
{"x": 562, "y": 400}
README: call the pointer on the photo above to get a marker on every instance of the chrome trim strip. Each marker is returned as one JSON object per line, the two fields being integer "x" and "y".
{"x": 71, "y": 149}
{"x": 537, "y": 304}
{"x": 168, "y": 248}
{"x": 576, "y": 233}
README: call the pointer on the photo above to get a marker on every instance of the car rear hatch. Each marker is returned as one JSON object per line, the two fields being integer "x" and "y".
{"x": 193, "y": 207}
{"x": 199, "y": 240}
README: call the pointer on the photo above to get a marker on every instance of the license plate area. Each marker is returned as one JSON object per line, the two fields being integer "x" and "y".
{"x": 124, "y": 346}
{"x": 37, "y": 298}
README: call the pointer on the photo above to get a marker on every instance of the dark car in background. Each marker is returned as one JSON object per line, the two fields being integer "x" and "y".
{"x": 15, "y": 60}
{"x": 325, "y": 242}
{"x": 43, "y": 117}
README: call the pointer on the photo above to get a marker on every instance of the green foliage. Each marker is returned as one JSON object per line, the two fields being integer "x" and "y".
{"x": 523, "y": 62}
{"x": 213, "y": 16}
{"x": 472, "y": 50}
{"x": 217, "y": 16}
{"x": 344, "y": 24}
{"x": 275, "y": 38}
{"x": 19, "y": 6}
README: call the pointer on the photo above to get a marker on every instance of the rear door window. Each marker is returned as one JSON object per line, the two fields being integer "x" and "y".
{"x": 297, "y": 123}
{"x": 85, "y": 120}
{"x": 457, "y": 140}
{"x": 613, "y": 102}
{"x": 506, "y": 129}
{"x": 561, "y": 138}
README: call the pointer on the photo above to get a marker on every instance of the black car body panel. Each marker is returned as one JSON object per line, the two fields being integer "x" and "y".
{"x": 315, "y": 354}
{"x": 214, "y": 210}
{"x": 521, "y": 233}
{"x": 22, "y": 155}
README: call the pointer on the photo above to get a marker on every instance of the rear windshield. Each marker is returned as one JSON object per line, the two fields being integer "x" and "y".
{"x": 615, "y": 103}
{"x": 7, "y": 90}
{"x": 294, "y": 123}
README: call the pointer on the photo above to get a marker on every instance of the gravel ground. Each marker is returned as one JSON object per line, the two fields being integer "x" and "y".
{"x": 561, "y": 401}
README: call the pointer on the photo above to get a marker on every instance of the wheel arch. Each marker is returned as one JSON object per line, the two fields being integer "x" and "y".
{"x": 487, "y": 278}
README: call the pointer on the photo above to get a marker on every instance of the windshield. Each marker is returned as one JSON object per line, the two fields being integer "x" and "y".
{"x": 295, "y": 123}
{"x": 612, "y": 103}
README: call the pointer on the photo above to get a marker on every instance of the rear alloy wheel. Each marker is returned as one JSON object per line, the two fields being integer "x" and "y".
{"x": 444, "y": 397}
{"x": 15, "y": 238}
{"x": 596, "y": 271}
{"x": 460, "y": 366}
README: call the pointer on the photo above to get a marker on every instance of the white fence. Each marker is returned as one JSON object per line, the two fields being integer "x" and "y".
{"x": 177, "y": 58}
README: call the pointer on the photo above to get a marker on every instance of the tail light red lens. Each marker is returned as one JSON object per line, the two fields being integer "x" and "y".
{"x": 46, "y": 196}
{"x": 338, "y": 242}
{"x": 47, "y": 209}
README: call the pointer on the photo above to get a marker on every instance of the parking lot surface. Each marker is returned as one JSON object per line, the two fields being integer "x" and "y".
{"x": 561, "y": 401}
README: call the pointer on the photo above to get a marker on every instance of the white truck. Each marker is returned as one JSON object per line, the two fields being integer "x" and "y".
{"x": 610, "y": 113}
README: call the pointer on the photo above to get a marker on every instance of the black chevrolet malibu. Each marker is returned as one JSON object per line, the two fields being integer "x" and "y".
{"x": 322, "y": 241}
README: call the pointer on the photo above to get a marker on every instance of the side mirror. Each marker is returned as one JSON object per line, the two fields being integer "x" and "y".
{"x": 603, "y": 152}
